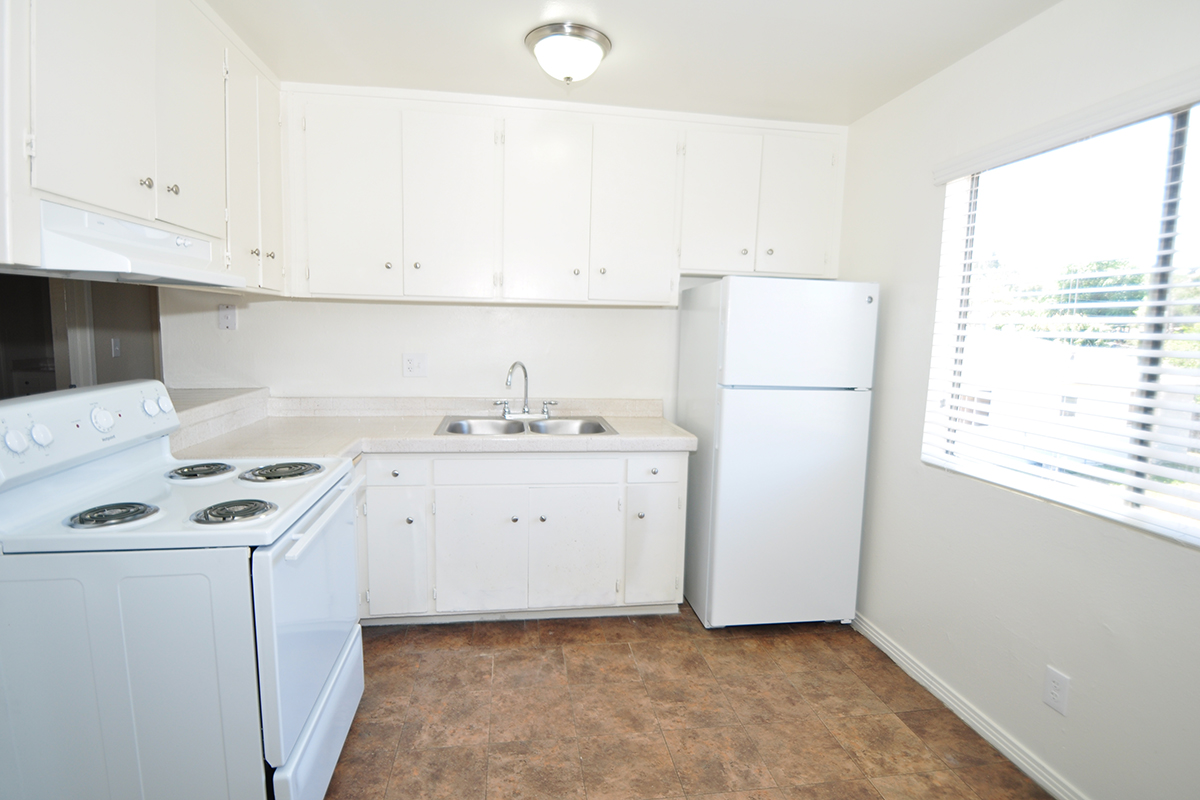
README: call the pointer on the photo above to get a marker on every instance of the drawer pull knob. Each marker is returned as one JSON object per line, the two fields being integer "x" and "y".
{"x": 654, "y": 471}
{"x": 641, "y": 515}
{"x": 514, "y": 519}
{"x": 395, "y": 473}
{"x": 543, "y": 519}
{"x": 409, "y": 520}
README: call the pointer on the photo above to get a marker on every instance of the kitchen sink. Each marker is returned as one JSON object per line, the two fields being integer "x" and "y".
{"x": 487, "y": 426}
{"x": 493, "y": 426}
{"x": 570, "y": 426}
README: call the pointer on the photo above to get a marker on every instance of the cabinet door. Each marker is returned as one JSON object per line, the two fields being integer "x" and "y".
{"x": 244, "y": 242}
{"x": 93, "y": 102}
{"x": 798, "y": 205}
{"x": 352, "y": 196}
{"x": 720, "y": 202}
{"x": 451, "y": 204}
{"x": 397, "y": 551}
{"x": 481, "y": 542}
{"x": 574, "y": 546}
{"x": 547, "y": 199}
{"x": 633, "y": 256}
{"x": 190, "y": 119}
{"x": 653, "y": 530}
{"x": 270, "y": 185}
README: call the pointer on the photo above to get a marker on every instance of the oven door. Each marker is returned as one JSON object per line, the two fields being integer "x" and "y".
{"x": 305, "y": 613}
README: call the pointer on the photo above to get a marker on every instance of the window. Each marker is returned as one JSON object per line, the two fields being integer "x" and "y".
{"x": 1066, "y": 353}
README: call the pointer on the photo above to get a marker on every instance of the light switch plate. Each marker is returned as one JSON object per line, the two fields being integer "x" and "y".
{"x": 226, "y": 318}
{"x": 416, "y": 365}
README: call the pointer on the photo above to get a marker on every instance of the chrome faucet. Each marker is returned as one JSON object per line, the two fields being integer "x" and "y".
{"x": 508, "y": 382}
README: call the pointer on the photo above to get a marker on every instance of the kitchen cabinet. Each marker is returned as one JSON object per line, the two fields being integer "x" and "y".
{"x": 93, "y": 139}
{"x": 761, "y": 203}
{"x": 352, "y": 196}
{"x": 633, "y": 222}
{"x": 255, "y": 194}
{"x": 397, "y": 550}
{"x": 452, "y": 183}
{"x": 547, "y": 208}
{"x": 517, "y": 533}
{"x": 189, "y": 105}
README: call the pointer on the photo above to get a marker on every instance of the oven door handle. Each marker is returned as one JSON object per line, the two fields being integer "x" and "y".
{"x": 303, "y": 540}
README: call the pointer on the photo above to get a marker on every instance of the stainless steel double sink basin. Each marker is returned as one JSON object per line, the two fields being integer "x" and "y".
{"x": 493, "y": 426}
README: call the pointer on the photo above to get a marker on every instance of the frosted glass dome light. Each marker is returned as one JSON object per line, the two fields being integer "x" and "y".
{"x": 566, "y": 51}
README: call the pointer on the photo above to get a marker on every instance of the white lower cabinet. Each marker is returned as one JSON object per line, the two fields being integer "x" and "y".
{"x": 515, "y": 533}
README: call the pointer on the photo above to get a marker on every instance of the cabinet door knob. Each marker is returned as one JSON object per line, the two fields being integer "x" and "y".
{"x": 744, "y": 251}
{"x": 576, "y": 272}
{"x": 416, "y": 265}
{"x": 174, "y": 189}
{"x": 641, "y": 515}
{"x": 271, "y": 254}
{"x": 254, "y": 252}
{"x": 654, "y": 471}
{"x": 409, "y": 520}
{"x": 603, "y": 270}
{"x": 147, "y": 182}
{"x": 395, "y": 473}
{"x": 543, "y": 519}
{"x": 387, "y": 265}
{"x": 514, "y": 519}
{"x": 770, "y": 251}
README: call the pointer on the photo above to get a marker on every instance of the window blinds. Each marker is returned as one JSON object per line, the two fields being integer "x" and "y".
{"x": 1066, "y": 353}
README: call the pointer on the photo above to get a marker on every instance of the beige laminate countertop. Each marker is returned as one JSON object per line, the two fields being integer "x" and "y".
{"x": 327, "y": 436}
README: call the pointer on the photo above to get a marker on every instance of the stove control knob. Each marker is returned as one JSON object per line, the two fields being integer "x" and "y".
{"x": 150, "y": 407}
{"x": 16, "y": 441}
{"x": 102, "y": 419}
{"x": 41, "y": 434}
{"x": 165, "y": 404}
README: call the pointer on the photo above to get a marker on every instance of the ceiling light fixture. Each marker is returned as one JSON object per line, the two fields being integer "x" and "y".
{"x": 567, "y": 51}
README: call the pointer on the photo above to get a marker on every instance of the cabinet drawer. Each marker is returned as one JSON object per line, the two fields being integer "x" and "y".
{"x": 667, "y": 468}
{"x": 526, "y": 471}
{"x": 397, "y": 471}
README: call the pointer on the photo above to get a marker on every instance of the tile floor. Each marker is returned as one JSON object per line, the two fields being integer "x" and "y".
{"x": 632, "y": 708}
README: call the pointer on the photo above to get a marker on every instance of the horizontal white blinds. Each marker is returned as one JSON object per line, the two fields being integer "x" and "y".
{"x": 1066, "y": 354}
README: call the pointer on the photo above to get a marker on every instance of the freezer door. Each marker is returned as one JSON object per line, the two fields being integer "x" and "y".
{"x": 790, "y": 332}
{"x": 787, "y": 506}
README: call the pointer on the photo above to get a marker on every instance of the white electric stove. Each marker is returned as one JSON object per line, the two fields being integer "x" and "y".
{"x": 183, "y": 629}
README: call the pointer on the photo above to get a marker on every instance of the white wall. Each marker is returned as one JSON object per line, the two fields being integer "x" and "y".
{"x": 980, "y": 586}
{"x": 324, "y": 348}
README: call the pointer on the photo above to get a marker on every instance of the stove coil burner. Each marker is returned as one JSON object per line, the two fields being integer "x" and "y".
{"x": 233, "y": 511}
{"x": 199, "y": 471}
{"x": 112, "y": 514}
{"x": 279, "y": 472}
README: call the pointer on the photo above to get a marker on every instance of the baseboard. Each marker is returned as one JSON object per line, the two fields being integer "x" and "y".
{"x": 1016, "y": 752}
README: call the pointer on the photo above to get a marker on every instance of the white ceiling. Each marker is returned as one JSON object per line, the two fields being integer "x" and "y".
{"x": 806, "y": 60}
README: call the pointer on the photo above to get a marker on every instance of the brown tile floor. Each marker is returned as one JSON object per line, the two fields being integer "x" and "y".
{"x": 633, "y": 708}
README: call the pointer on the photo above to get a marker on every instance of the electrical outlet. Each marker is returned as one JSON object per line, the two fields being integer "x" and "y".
{"x": 116, "y": 347}
{"x": 416, "y": 365}
{"x": 1054, "y": 693}
{"x": 227, "y": 318}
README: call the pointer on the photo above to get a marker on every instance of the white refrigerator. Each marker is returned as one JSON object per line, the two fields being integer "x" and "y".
{"x": 775, "y": 381}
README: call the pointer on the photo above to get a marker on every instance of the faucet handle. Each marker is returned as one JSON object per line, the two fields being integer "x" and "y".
{"x": 502, "y": 403}
{"x": 546, "y": 406}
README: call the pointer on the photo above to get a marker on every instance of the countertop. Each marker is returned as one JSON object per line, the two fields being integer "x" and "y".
{"x": 348, "y": 436}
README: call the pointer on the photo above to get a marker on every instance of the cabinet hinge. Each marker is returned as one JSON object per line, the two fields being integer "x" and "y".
{"x": 676, "y": 581}
{"x": 369, "y": 595}
{"x": 618, "y": 585}
{"x": 681, "y": 149}
{"x": 304, "y": 123}
{"x": 435, "y": 593}
{"x": 364, "y": 509}
{"x": 679, "y": 502}
{"x": 833, "y": 160}
{"x": 618, "y": 504}
{"x": 433, "y": 510}
{"x": 228, "y": 259}
{"x": 30, "y": 145}
{"x": 499, "y": 137}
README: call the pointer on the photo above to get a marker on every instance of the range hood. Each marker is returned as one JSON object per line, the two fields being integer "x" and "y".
{"x": 84, "y": 245}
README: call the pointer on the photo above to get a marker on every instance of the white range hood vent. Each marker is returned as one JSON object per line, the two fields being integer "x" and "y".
{"x": 84, "y": 245}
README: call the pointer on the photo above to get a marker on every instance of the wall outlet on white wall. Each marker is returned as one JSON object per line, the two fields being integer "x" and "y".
{"x": 226, "y": 318}
{"x": 416, "y": 365}
{"x": 1054, "y": 693}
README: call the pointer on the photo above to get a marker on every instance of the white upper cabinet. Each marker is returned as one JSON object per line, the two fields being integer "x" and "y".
{"x": 547, "y": 199}
{"x": 353, "y": 208}
{"x": 190, "y": 119}
{"x": 270, "y": 185}
{"x": 634, "y": 171}
{"x": 799, "y": 205}
{"x": 93, "y": 102}
{"x": 451, "y": 204}
{"x": 720, "y": 202}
